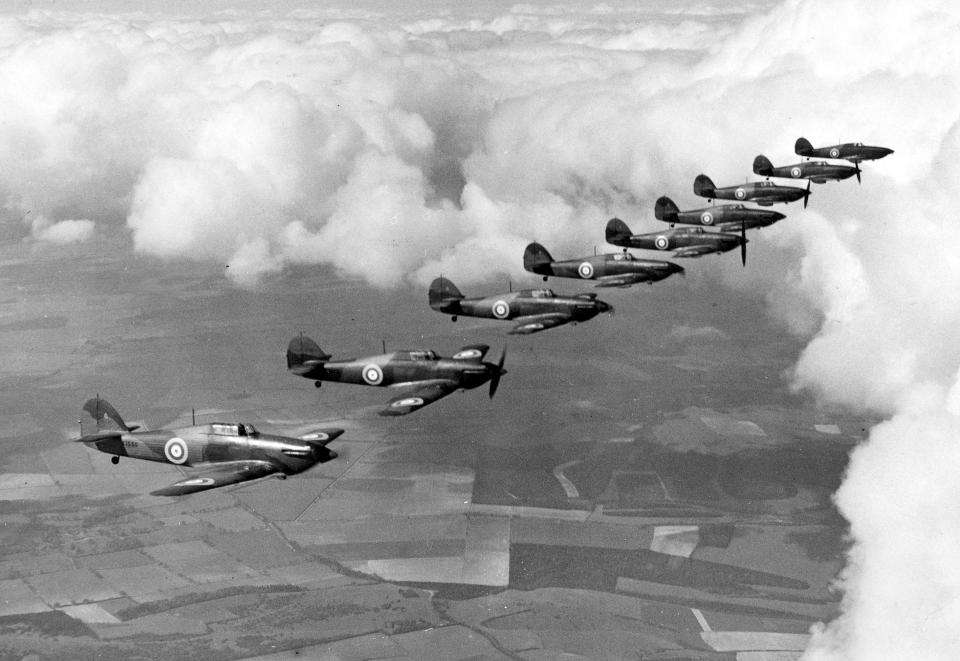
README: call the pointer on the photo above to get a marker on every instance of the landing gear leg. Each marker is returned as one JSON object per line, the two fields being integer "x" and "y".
{"x": 114, "y": 460}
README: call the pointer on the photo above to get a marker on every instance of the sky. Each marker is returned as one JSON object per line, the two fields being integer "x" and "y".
{"x": 391, "y": 145}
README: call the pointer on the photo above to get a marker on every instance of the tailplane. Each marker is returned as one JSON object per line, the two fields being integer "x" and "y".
{"x": 665, "y": 209}
{"x": 98, "y": 417}
{"x": 536, "y": 259}
{"x": 762, "y": 165}
{"x": 802, "y": 147}
{"x": 302, "y": 351}
{"x": 444, "y": 295}
{"x": 703, "y": 186}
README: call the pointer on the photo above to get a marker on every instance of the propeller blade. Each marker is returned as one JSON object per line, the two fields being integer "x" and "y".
{"x": 857, "y": 165}
{"x": 495, "y": 379}
{"x": 806, "y": 196}
{"x": 743, "y": 242}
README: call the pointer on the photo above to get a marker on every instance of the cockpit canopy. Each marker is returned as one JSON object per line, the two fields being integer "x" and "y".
{"x": 621, "y": 257}
{"x": 232, "y": 429}
{"x": 538, "y": 293}
{"x": 765, "y": 184}
{"x": 416, "y": 355}
{"x": 690, "y": 230}
{"x": 858, "y": 144}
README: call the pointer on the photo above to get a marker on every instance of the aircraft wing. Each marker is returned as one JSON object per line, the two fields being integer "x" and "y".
{"x": 534, "y": 323}
{"x": 218, "y": 475}
{"x": 695, "y": 251}
{"x": 425, "y": 392}
{"x": 622, "y": 280}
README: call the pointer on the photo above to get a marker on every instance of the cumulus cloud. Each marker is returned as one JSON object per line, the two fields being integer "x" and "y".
{"x": 396, "y": 146}
{"x": 61, "y": 233}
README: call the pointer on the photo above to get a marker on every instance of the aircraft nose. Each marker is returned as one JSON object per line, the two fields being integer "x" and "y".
{"x": 776, "y": 215}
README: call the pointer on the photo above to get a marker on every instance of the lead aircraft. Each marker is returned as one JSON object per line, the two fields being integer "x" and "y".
{"x": 534, "y": 310}
{"x": 423, "y": 376}
{"x": 220, "y": 453}
{"x": 854, "y": 152}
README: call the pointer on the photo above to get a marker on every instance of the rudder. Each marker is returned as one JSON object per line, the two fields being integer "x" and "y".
{"x": 98, "y": 416}
{"x": 443, "y": 294}
{"x": 703, "y": 186}
{"x": 665, "y": 209}
{"x": 762, "y": 165}
{"x": 802, "y": 147}
{"x": 536, "y": 258}
{"x": 617, "y": 231}
{"x": 302, "y": 350}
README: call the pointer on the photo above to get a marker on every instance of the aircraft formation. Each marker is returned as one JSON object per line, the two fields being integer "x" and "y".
{"x": 221, "y": 454}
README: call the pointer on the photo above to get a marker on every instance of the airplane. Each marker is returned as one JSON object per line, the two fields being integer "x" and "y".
{"x": 222, "y": 453}
{"x": 727, "y": 217}
{"x": 534, "y": 309}
{"x": 763, "y": 193}
{"x": 686, "y": 241}
{"x": 423, "y": 375}
{"x": 609, "y": 270}
{"x": 849, "y": 151}
{"x": 816, "y": 171}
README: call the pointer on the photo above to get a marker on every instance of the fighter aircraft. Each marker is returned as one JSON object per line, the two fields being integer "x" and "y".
{"x": 423, "y": 376}
{"x": 222, "y": 453}
{"x": 816, "y": 171}
{"x": 533, "y": 309}
{"x": 763, "y": 193}
{"x": 686, "y": 241}
{"x": 726, "y": 217}
{"x": 848, "y": 151}
{"x": 619, "y": 269}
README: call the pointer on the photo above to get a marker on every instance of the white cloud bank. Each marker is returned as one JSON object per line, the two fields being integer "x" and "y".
{"x": 397, "y": 146}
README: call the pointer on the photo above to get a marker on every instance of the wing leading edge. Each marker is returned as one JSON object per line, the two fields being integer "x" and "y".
{"x": 426, "y": 392}
{"x": 534, "y": 323}
{"x": 219, "y": 475}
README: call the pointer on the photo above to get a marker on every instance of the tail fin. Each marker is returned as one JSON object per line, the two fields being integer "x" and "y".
{"x": 444, "y": 295}
{"x": 665, "y": 209}
{"x": 762, "y": 165}
{"x": 617, "y": 231}
{"x": 302, "y": 350}
{"x": 536, "y": 259}
{"x": 98, "y": 417}
{"x": 802, "y": 147}
{"x": 703, "y": 186}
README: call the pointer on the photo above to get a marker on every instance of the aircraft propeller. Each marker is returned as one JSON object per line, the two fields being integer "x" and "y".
{"x": 857, "y": 165}
{"x": 495, "y": 379}
{"x": 806, "y": 195}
